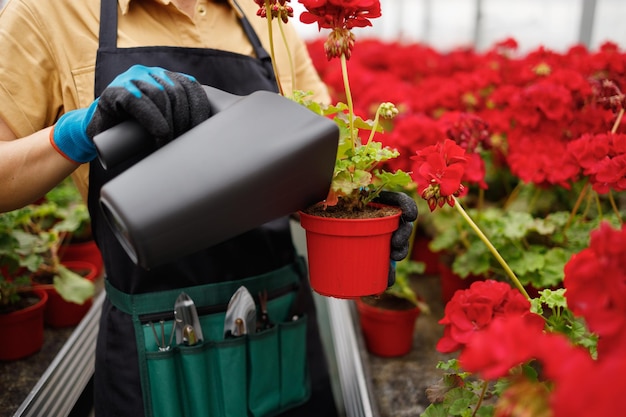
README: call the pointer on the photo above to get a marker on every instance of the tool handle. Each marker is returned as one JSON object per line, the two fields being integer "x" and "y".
{"x": 116, "y": 144}
{"x": 129, "y": 138}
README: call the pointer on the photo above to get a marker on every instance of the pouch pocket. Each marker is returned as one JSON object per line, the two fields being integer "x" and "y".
{"x": 259, "y": 374}
{"x": 164, "y": 383}
{"x": 264, "y": 371}
{"x": 294, "y": 378}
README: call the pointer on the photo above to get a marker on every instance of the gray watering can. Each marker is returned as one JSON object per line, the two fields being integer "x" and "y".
{"x": 257, "y": 158}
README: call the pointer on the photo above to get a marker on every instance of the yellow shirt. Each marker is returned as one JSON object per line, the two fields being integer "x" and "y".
{"x": 48, "y": 51}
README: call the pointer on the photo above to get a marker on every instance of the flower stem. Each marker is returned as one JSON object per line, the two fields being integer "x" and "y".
{"x": 579, "y": 201}
{"x": 618, "y": 120}
{"x": 375, "y": 125}
{"x": 272, "y": 52}
{"x": 491, "y": 248}
{"x": 614, "y": 207}
{"x": 513, "y": 195}
{"x": 482, "y": 396}
{"x": 291, "y": 67}
{"x": 346, "y": 85}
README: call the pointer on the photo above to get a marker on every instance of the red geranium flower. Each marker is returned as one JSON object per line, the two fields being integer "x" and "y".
{"x": 503, "y": 345}
{"x": 439, "y": 171}
{"x": 472, "y": 310}
{"x": 595, "y": 280}
{"x": 340, "y": 14}
{"x": 602, "y": 158}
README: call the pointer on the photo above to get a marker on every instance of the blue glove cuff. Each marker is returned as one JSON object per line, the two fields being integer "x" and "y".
{"x": 70, "y": 135}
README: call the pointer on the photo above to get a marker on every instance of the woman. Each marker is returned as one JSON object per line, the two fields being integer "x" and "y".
{"x": 55, "y": 59}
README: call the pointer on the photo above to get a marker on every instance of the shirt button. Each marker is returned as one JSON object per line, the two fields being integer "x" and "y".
{"x": 201, "y": 10}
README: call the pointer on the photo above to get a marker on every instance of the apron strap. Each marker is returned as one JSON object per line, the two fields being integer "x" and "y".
{"x": 260, "y": 52}
{"x": 108, "y": 24}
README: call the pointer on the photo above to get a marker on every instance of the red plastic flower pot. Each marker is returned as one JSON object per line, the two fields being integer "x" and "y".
{"x": 22, "y": 330}
{"x": 387, "y": 333}
{"x": 421, "y": 253}
{"x": 348, "y": 258}
{"x": 83, "y": 251}
{"x": 451, "y": 282}
{"x": 60, "y": 313}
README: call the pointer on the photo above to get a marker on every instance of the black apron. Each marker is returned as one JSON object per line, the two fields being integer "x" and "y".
{"x": 267, "y": 248}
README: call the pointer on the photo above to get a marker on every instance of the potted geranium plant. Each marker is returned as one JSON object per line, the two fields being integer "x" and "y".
{"x": 21, "y": 307}
{"x": 340, "y": 264}
{"x": 21, "y": 318}
{"x": 388, "y": 320}
{"x": 32, "y": 237}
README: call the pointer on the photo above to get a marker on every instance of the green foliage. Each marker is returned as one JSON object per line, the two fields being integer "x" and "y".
{"x": 459, "y": 394}
{"x": 536, "y": 248}
{"x": 560, "y": 319}
{"x": 10, "y": 290}
{"x": 358, "y": 176}
{"x": 402, "y": 286}
{"x": 30, "y": 239}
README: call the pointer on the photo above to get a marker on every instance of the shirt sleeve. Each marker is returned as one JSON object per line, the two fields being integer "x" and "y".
{"x": 29, "y": 93}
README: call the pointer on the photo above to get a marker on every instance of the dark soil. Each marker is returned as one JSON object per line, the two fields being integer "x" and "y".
{"x": 388, "y": 302}
{"x": 369, "y": 212}
{"x": 26, "y": 300}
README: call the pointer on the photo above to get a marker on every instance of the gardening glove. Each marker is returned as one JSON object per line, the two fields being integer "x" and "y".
{"x": 400, "y": 238}
{"x": 165, "y": 103}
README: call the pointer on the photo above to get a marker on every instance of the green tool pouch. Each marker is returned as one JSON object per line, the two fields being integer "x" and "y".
{"x": 258, "y": 374}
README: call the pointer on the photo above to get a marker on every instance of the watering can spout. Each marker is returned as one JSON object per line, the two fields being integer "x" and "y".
{"x": 228, "y": 175}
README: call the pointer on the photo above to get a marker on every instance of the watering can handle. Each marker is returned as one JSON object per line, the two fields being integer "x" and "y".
{"x": 129, "y": 138}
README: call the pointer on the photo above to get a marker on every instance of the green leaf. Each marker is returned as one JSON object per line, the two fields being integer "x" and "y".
{"x": 485, "y": 411}
{"x": 553, "y": 298}
{"x": 435, "y": 410}
{"x": 459, "y": 400}
{"x": 72, "y": 287}
{"x": 516, "y": 225}
{"x": 528, "y": 262}
{"x": 553, "y": 273}
{"x": 476, "y": 261}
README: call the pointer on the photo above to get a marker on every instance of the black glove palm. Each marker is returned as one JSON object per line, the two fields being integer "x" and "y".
{"x": 400, "y": 240}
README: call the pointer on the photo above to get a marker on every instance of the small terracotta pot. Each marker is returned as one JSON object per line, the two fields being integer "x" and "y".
{"x": 387, "y": 333}
{"x": 422, "y": 253}
{"x": 22, "y": 330}
{"x": 348, "y": 258}
{"x": 60, "y": 313}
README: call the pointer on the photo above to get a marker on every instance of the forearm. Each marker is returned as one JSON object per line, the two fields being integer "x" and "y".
{"x": 29, "y": 168}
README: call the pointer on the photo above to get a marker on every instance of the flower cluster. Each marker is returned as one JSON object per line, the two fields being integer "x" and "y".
{"x": 277, "y": 9}
{"x": 489, "y": 122}
{"x": 341, "y": 16}
{"x": 602, "y": 158}
{"x": 440, "y": 169}
{"x": 595, "y": 290}
{"x": 525, "y": 111}
{"x": 472, "y": 310}
{"x": 595, "y": 279}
